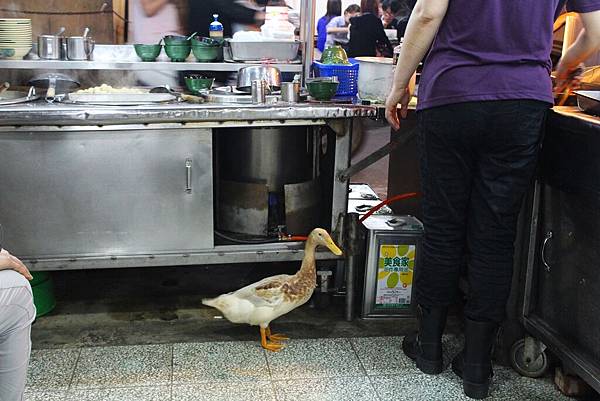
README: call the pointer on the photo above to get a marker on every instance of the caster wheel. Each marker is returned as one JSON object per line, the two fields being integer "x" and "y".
{"x": 528, "y": 367}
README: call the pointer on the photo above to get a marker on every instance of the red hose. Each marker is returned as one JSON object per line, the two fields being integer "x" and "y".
{"x": 366, "y": 216}
{"x": 388, "y": 201}
{"x": 297, "y": 238}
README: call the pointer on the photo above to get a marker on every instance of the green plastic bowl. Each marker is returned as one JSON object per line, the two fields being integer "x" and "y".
{"x": 198, "y": 83}
{"x": 43, "y": 293}
{"x": 322, "y": 90}
{"x": 147, "y": 52}
{"x": 178, "y": 53}
{"x": 206, "y": 53}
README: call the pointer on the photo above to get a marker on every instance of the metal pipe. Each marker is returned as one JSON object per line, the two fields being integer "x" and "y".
{"x": 532, "y": 250}
{"x": 307, "y": 29}
{"x": 352, "y": 257}
{"x": 377, "y": 155}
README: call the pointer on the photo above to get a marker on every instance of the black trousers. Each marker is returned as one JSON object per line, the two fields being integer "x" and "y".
{"x": 477, "y": 161}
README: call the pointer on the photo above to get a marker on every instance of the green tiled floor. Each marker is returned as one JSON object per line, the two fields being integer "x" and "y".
{"x": 355, "y": 369}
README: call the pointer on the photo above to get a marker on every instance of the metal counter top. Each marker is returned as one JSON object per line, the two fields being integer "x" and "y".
{"x": 43, "y": 114}
{"x": 574, "y": 112}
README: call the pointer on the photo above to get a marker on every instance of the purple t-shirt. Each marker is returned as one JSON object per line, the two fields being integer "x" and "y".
{"x": 493, "y": 50}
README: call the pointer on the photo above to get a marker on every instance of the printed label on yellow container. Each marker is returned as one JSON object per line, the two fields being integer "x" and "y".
{"x": 395, "y": 276}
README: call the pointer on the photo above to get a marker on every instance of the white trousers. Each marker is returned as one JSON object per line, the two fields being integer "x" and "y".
{"x": 17, "y": 312}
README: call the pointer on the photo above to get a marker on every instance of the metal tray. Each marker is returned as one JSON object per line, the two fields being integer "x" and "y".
{"x": 276, "y": 51}
{"x": 228, "y": 98}
{"x": 120, "y": 99}
{"x": 17, "y": 97}
{"x": 589, "y": 101}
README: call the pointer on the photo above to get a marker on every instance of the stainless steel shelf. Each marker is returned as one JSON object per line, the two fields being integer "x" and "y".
{"x": 133, "y": 65}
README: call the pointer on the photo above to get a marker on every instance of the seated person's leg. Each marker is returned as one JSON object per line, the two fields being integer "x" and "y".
{"x": 17, "y": 312}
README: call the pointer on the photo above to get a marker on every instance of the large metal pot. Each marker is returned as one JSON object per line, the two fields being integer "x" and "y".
{"x": 271, "y": 156}
{"x": 267, "y": 177}
{"x": 271, "y": 75}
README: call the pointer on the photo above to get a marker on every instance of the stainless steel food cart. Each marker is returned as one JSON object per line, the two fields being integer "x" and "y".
{"x": 92, "y": 186}
{"x": 89, "y": 186}
{"x": 562, "y": 280}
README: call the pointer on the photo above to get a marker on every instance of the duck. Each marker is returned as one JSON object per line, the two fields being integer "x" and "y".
{"x": 260, "y": 303}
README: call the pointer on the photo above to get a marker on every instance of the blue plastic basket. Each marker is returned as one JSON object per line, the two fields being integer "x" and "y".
{"x": 346, "y": 74}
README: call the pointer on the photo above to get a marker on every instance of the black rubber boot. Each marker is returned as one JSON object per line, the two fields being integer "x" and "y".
{"x": 474, "y": 363}
{"x": 425, "y": 347}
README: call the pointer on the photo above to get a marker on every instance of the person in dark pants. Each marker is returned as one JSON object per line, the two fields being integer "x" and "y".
{"x": 483, "y": 97}
{"x": 367, "y": 37}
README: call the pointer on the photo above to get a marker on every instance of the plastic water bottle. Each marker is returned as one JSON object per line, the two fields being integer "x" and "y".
{"x": 216, "y": 28}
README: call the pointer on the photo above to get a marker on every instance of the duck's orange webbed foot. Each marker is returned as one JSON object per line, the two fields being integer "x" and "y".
{"x": 275, "y": 337}
{"x": 270, "y": 346}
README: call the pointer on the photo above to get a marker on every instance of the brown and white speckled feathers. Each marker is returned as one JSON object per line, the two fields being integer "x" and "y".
{"x": 266, "y": 300}
{"x": 293, "y": 288}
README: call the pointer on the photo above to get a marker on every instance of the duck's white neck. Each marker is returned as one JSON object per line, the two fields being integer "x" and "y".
{"x": 309, "y": 263}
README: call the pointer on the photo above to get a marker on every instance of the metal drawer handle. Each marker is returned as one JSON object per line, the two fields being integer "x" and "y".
{"x": 394, "y": 222}
{"x": 363, "y": 208}
{"x": 549, "y": 236}
{"x": 188, "y": 175}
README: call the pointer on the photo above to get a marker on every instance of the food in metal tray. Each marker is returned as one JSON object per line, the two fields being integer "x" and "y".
{"x": 104, "y": 88}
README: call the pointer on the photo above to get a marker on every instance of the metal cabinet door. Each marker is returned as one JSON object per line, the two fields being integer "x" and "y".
{"x": 106, "y": 192}
{"x": 568, "y": 282}
{"x": 561, "y": 304}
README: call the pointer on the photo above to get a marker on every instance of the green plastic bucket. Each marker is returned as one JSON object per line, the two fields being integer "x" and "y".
{"x": 43, "y": 293}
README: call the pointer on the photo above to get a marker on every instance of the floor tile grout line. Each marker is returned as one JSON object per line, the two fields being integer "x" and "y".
{"x": 264, "y": 352}
{"x": 362, "y": 365}
{"x": 319, "y": 377}
{"x": 357, "y": 356}
{"x": 370, "y": 379}
{"x": 274, "y": 389}
{"x": 271, "y": 383}
{"x": 120, "y": 386}
{"x": 172, "y": 372}
{"x": 274, "y": 381}
{"x": 75, "y": 366}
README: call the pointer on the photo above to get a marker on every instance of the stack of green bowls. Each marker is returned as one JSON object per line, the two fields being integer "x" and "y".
{"x": 207, "y": 49}
{"x": 177, "y": 47}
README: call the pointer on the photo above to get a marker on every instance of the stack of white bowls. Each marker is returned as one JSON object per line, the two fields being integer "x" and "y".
{"x": 15, "y": 37}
